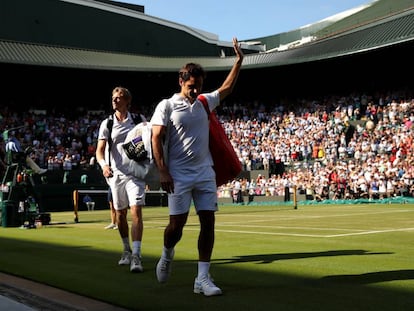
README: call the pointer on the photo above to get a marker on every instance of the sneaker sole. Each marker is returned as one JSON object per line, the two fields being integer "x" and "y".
{"x": 137, "y": 270}
{"x": 199, "y": 291}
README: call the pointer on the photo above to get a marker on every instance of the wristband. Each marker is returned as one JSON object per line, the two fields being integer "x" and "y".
{"x": 102, "y": 163}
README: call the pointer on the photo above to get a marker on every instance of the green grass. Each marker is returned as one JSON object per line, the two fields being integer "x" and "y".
{"x": 320, "y": 257}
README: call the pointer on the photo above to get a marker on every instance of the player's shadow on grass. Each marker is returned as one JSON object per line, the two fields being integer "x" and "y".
{"x": 372, "y": 277}
{"x": 269, "y": 258}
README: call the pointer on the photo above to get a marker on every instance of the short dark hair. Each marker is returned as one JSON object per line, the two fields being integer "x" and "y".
{"x": 191, "y": 70}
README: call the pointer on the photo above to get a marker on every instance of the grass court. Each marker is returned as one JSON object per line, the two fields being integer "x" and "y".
{"x": 315, "y": 257}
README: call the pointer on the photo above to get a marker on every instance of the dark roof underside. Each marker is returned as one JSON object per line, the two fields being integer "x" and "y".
{"x": 392, "y": 31}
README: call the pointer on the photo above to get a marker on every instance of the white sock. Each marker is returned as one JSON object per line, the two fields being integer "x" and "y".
{"x": 136, "y": 248}
{"x": 203, "y": 268}
{"x": 168, "y": 253}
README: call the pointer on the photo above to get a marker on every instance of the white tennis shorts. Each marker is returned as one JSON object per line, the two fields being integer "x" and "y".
{"x": 198, "y": 186}
{"x": 127, "y": 191}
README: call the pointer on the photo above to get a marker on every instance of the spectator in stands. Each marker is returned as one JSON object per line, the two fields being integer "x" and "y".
{"x": 67, "y": 162}
{"x": 286, "y": 186}
{"x": 237, "y": 191}
{"x": 127, "y": 190}
{"x": 186, "y": 173}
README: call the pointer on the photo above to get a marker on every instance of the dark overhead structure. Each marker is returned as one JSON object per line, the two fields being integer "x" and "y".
{"x": 74, "y": 39}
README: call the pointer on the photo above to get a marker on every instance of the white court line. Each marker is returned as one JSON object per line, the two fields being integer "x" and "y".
{"x": 194, "y": 226}
{"x": 371, "y": 232}
{"x": 307, "y": 235}
{"x": 284, "y": 227}
{"x": 313, "y": 216}
{"x": 362, "y": 231}
{"x": 264, "y": 233}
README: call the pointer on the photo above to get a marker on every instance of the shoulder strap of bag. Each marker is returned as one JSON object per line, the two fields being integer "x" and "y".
{"x": 109, "y": 125}
{"x": 136, "y": 117}
{"x": 165, "y": 143}
{"x": 205, "y": 104}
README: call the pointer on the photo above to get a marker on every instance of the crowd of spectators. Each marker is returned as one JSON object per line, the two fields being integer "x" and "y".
{"x": 335, "y": 148}
{"x": 347, "y": 147}
{"x": 56, "y": 142}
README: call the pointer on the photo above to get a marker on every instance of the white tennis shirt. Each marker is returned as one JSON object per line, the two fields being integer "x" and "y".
{"x": 119, "y": 161}
{"x": 187, "y": 130}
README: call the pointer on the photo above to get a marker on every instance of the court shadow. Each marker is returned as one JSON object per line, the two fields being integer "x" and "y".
{"x": 372, "y": 277}
{"x": 269, "y": 258}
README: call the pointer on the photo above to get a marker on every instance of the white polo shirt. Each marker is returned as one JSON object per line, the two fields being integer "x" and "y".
{"x": 188, "y": 131}
{"x": 120, "y": 163}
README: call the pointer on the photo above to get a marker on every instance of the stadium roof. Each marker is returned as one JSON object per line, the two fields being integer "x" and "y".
{"x": 382, "y": 32}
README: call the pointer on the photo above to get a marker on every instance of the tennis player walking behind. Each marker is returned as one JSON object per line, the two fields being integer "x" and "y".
{"x": 127, "y": 190}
